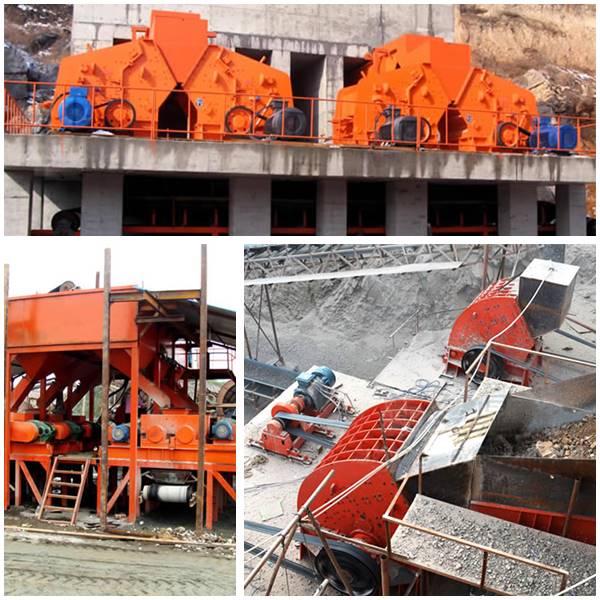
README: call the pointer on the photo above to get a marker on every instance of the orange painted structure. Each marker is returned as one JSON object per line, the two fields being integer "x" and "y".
{"x": 376, "y": 435}
{"x": 489, "y": 314}
{"x": 170, "y": 81}
{"x": 54, "y": 348}
{"x": 452, "y": 103}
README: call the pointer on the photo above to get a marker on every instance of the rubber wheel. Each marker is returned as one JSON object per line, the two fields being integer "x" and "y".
{"x": 508, "y": 135}
{"x": 496, "y": 367}
{"x": 119, "y": 114}
{"x": 361, "y": 570}
{"x": 239, "y": 120}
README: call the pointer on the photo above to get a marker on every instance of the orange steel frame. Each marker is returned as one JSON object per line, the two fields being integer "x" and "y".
{"x": 77, "y": 332}
{"x": 17, "y": 122}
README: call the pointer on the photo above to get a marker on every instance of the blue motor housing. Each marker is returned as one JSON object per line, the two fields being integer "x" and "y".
{"x": 223, "y": 429}
{"x": 308, "y": 386}
{"x": 553, "y": 137}
{"x": 76, "y": 110}
{"x": 120, "y": 433}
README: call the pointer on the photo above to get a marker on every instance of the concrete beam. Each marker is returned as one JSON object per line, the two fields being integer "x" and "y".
{"x": 571, "y": 210}
{"x": 18, "y": 189}
{"x": 250, "y": 206}
{"x": 406, "y": 208}
{"x": 102, "y": 204}
{"x": 332, "y": 207}
{"x": 517, "y": 209}
{"x": 49, "y": 153}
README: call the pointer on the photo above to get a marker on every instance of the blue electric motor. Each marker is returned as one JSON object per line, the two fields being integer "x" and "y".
{"x": 76, "y": 110}
{"x": 308, "y": 386}
{"x": 547, "y": 136}
{"x": 223, "y": 429}
{"x": 120, "y": 433}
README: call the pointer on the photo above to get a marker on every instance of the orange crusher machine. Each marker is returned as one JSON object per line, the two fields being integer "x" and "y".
{"x": 420, "y": 89}
{"x": 168, "y": 81}
{"x": 375, "y": 435}
{"x": 501, "y": 303}
{"x": 52, "y": 409}
{"x": 304, "y": 417}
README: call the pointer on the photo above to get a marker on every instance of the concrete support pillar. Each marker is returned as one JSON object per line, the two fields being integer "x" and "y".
{"x": 571, "y": 209}
{"x": 406, "y": 208}
{"x": 102, "y": 204}
{"x": 282, "y": 60}
{"x": 332, "y": 80}
{"x": 250, "y": 206}
{"x": 517, "y": 209}
{"x": 332, "y": 207}
{"x": 17, "y": 191}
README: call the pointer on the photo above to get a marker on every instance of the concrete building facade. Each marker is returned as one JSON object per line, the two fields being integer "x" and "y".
{"x": 127, "y": 186}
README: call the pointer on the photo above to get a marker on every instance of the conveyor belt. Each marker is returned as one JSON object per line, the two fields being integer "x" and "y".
{"x": 457, "y": 561}
{"x": 311, "y": 437}
{"x": 313, "y": 420}
{"x": 290, "y": 565}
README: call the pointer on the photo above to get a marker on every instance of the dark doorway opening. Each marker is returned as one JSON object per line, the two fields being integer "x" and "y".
{"x": 463, "y": 209}
{"x": 366, "y": 208}
{"x": 306, "y": 71}
{"x": 352, "y": 69}
{"x": 256, "y": 54}
{"x": 293, "y": 207}
{"x": 175, "y": 206}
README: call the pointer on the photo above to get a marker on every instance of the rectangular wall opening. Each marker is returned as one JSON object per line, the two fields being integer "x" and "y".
{"x": 352, "y": 69}
{"x": 293, "y": 207}
{"x": 456, "y": 209}
{"x": 306, "y": 71}
{"x": 366, "y": 208}
{"x": 175, "y": 206}
{"x": 256, "y": 54}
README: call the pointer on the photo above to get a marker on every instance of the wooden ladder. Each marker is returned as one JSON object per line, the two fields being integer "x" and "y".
{"x": 70, "y": 478}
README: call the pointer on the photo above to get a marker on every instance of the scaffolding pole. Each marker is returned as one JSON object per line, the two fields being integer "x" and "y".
{"x": 201, "y": 390}
{"x": 105, "y": 392}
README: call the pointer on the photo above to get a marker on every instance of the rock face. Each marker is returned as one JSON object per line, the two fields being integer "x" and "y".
{"x": 549, "y": 49}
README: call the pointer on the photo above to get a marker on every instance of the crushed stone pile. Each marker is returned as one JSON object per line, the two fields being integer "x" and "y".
{"x": 572, "y": 440}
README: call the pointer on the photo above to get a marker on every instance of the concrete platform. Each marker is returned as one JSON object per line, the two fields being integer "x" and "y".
{"x": 460, "y": 562}
{"x": 46, "y": 154}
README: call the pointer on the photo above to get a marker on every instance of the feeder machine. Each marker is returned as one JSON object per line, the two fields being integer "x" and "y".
{"x": 170, "y": 80}
{"x": 501, "y": 303}
{"x": 304, "y": 417}
{"x": 54, "y": 345}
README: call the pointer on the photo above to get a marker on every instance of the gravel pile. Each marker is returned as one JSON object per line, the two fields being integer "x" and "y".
{"x": 502, "y": 574}
{"x": 572, "y": 440}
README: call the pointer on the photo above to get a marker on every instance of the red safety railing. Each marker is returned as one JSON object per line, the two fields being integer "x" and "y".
{"x": 217, "y": 116}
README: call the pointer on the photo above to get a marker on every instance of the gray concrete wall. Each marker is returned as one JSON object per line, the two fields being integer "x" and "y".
{"x": 102, "y": 203}
{"x": 77, "y": 153}
{"x": 17, "y": 193}
{"x": 327, "y": 29}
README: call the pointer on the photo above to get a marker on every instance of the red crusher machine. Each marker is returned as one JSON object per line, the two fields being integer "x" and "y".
{"x": 501, "y": 304}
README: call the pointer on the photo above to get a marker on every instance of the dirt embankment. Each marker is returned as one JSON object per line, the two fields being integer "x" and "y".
{"x": 346, "y": 324}
{"x": 549, "y": 49}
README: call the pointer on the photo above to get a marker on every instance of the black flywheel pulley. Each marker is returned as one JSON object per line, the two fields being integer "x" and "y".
{"x": 360, "y": 569}
{"x": 495, "y": 370}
